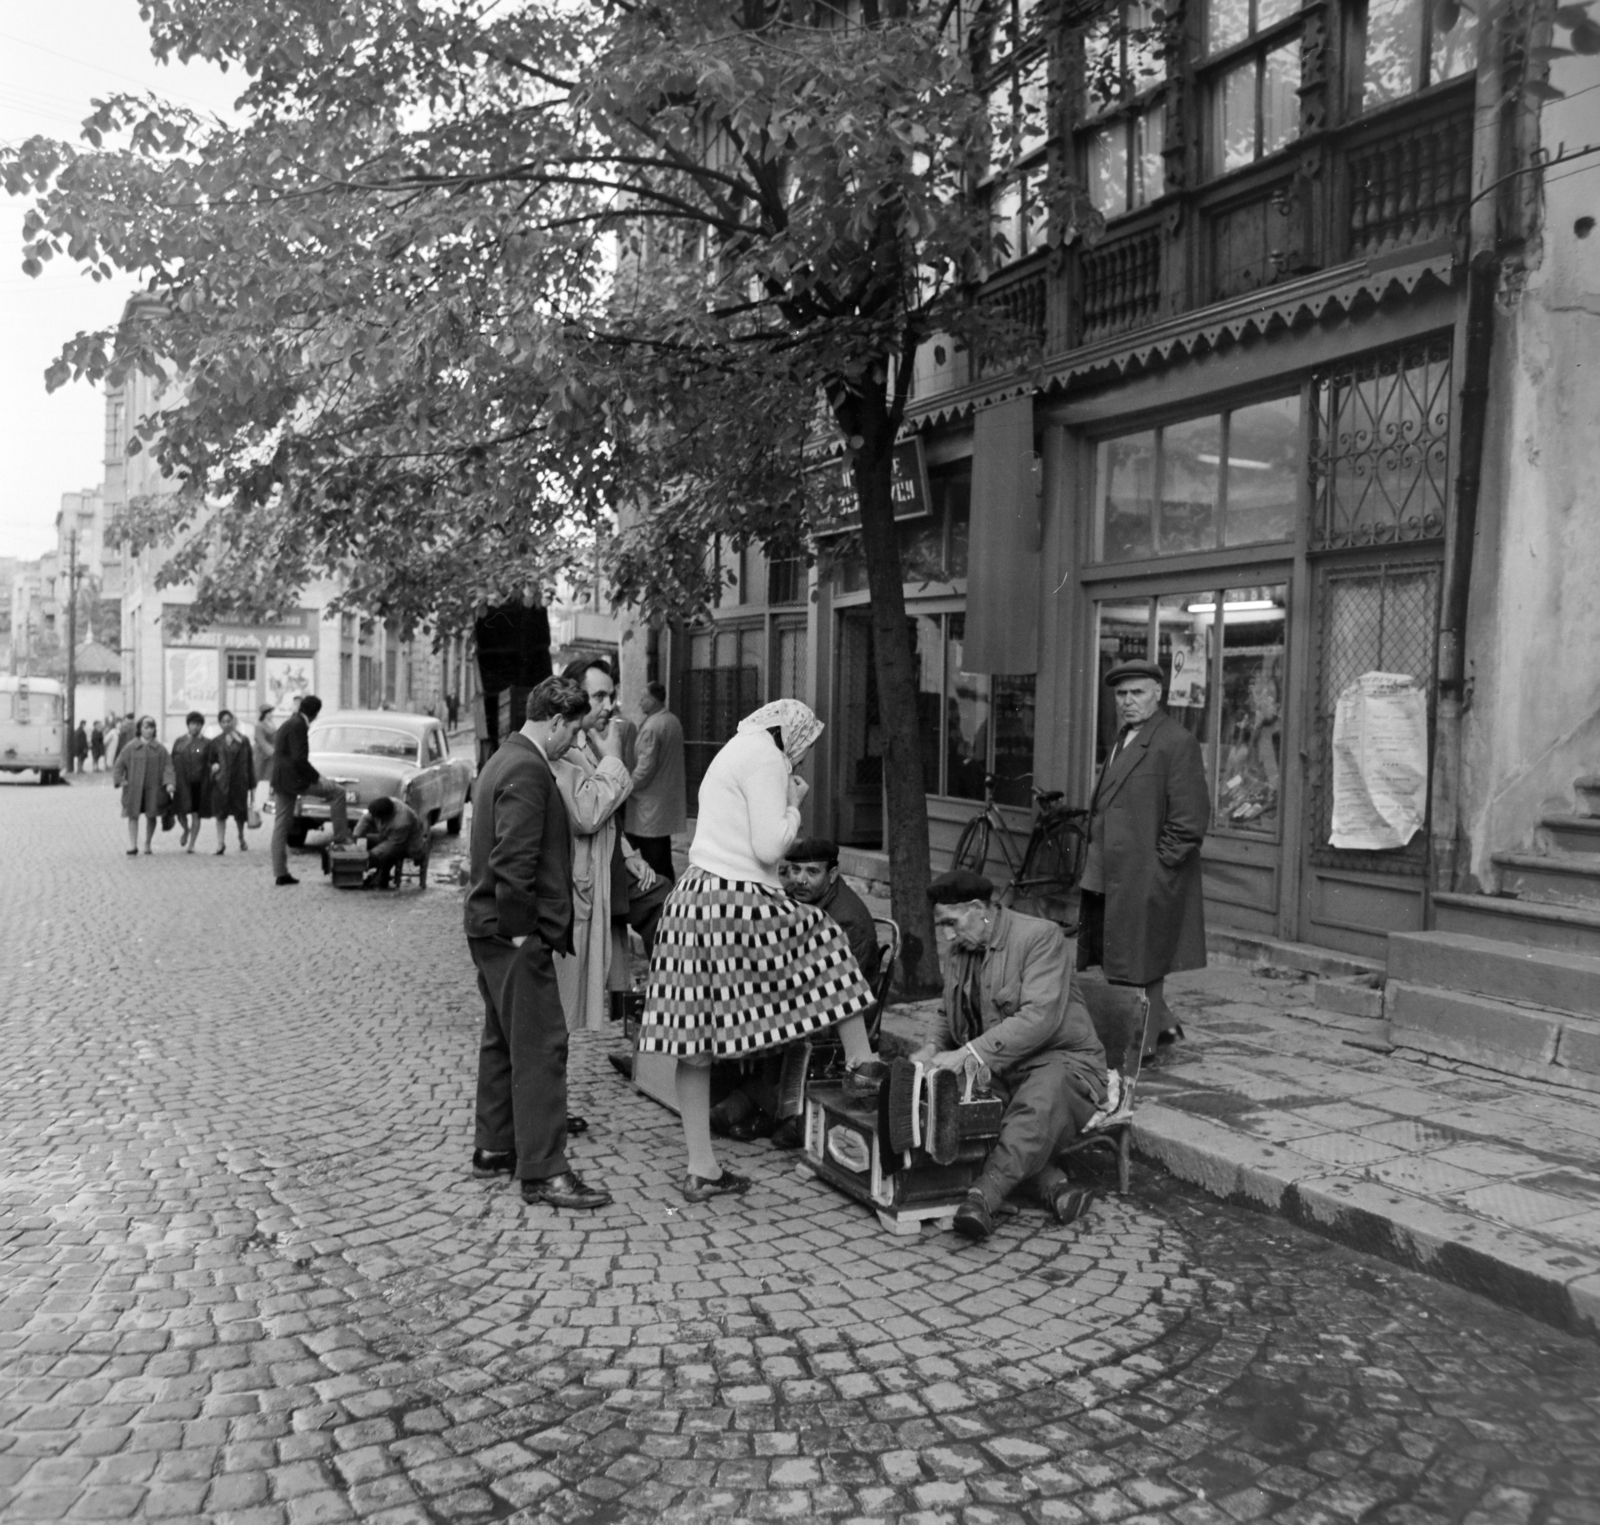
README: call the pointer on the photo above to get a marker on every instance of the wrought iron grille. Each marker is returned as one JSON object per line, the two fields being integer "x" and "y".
{"x": 1380, "y": 449}
{"x": 1369, "y": 619}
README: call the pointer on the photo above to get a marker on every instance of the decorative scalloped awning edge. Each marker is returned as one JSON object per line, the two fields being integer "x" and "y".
{"x": 1194, "y": 334}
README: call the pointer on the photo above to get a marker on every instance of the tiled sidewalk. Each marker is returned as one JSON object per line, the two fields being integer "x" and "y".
{"x": 1490, "y": 1183}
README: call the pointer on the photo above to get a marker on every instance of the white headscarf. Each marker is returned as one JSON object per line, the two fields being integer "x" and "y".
{"x": 795, "y": 722}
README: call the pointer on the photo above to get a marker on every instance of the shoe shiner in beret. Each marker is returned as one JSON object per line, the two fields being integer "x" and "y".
{"x": 810, "y": 873}
{"x": 1143, "y": 913}
{"x": 1012, "y": 1017}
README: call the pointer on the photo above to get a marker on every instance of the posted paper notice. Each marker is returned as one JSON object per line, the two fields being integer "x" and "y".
{"x": 1380, "y": 762}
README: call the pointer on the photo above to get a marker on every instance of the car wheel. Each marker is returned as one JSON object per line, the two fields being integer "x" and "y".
{"x": 453, "y": 825}
{"x": 298, "y": 831}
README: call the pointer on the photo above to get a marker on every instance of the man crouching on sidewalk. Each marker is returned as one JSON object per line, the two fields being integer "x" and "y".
{"x": 1011, "y": 1013}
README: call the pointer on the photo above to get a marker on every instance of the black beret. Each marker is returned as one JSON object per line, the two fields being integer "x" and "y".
{"x": 959, "y": 886}
{"x": 1136, "y": 669}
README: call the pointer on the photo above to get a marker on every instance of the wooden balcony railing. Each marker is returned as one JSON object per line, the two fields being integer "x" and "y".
{"x": 1020, "y": 296}
{"x": 1411, "y": 184}
{"x": 1119, "y": 285}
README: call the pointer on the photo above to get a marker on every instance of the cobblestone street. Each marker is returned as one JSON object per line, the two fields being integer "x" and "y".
{"x": 248, "y": 1277}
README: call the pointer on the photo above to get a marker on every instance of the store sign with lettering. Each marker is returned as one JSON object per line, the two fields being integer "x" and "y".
{"x": 908, "y": 487}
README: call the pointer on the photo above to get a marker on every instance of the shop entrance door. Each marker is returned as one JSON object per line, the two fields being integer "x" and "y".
{"x": 1369, "y": 617}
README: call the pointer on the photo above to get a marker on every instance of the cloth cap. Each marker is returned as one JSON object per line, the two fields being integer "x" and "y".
{"x": 958, "y": 886}
{"x": 1135, "y": 669}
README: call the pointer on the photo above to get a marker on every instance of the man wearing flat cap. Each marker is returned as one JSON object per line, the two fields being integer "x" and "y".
{"x": 1013, "y": 1017}
{"x": 1143, "y": 916}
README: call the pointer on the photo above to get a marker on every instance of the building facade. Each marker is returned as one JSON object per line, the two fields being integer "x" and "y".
{"x": 1273, "y": 442}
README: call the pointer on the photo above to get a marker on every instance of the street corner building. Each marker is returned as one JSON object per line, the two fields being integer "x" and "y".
{"x": 1314, "y": 430}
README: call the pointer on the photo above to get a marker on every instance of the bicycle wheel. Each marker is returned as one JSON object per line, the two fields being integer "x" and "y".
{"x": 972, "y": 850}
{"x": 1046, "y": 884}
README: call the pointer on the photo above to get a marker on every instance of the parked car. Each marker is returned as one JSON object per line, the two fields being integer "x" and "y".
{"x": 378, "y": 752}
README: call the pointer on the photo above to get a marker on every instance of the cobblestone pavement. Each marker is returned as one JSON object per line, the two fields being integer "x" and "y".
{"x": 248, "y": 1277}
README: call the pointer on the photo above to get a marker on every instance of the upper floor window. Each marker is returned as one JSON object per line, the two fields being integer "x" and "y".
{"x": 116, "y": 429}
{"x": 1016, "y": 80}
{"x": 1404, "y": 46}
{"x": 1255, "y": 83}
{"x": 1124, "y": 131}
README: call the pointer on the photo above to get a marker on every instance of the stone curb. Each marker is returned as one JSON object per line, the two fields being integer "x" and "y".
{"x": 1557, "y": 1284}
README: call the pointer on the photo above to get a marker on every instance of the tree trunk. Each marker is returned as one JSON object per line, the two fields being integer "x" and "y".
{"x": 906, "y": 825}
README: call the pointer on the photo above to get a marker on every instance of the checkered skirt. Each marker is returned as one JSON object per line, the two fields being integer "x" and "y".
{"x": 739, "y": 967}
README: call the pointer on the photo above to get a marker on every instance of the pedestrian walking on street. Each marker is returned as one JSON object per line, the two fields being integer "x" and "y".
{"x": 97, "y": 745}
{"x": 518, "y": 916}
{"x": 452, "y": 709}
{"x": 739, "y": 967}
{"x": 125, "y": 732}
{"x": 80, "y": 746}
{"x": 657, "y": 809}
{"x": 292, "y": 775}
{"x": 1143, "y": 915}
{"x": 143, "y": 772}
{"x": 191, "y": 764}
{"x": 233, "y": 780}
{"x": 265, "y": 738}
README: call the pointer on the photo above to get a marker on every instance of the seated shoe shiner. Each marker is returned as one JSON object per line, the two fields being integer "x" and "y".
{"x": 810, "y": 873}
{"x": 393, "y": 832}
{"x": 1013, "y": 1015}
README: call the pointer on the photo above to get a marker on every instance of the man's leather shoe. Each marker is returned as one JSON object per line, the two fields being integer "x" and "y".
{"x": 287, "y": 879}
{"x": 487, "y": 1163}
{"x": 1071, "y": 1202}
{"x": 564, "y": 1190}
{"x": 789, "y": 1134}
{"x": 622, "y": 1064}
{"x": 754, "y": 1125}
{"x": 973, "y": 1219}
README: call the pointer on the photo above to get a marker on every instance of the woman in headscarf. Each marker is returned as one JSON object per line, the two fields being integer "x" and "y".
{"x": 143, "y": 771}
{"x": 739, "y": 967}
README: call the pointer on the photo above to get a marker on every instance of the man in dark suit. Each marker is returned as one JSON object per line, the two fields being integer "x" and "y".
{"x": 518, "y": 916}
{"x": 292, "y": 775}
{"x": 1143, "y": 914}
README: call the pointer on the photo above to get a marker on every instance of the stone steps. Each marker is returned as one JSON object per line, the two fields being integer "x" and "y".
{"x": 1519, "y": 921}
{"x": 1577, "y": 835}
{"x": 1570, "y": 881}
{"x": 1546, "y": 978}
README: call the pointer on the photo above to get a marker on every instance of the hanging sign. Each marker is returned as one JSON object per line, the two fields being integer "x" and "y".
{"x": 1380, "y": 762}
{"x": 908, "y": 488}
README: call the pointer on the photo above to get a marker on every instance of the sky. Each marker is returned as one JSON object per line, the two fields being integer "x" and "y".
{"x": 55, "y": 57}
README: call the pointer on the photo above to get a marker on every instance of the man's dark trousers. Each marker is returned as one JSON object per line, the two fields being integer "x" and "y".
{"x": 1044, "y": 1110}
{"x": 522, "y": 1059}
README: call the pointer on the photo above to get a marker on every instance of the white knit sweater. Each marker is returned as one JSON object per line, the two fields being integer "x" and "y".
{"x": 745, "y": 823}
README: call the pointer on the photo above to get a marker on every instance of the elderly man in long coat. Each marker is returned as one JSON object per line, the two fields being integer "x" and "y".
{"x": 1143, "y": 914}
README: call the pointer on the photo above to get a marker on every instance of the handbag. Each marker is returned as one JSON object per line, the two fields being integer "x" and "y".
{"x": 254, "y": 819}
{"x": 169, "y": 817}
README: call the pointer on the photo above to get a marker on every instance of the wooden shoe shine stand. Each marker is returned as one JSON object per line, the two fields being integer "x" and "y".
{"x": 842, "y": 1147}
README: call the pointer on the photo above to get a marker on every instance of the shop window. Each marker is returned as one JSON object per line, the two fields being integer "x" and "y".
{"x": 1380, "y": 448}
{"x": 1254, "y": 82}
{"x": 1223, "y": 479}
{"x": 1227, "y": 692}
{"x": 1402, "y": 46}
{"x": 971, "y": 724}
{"x": 1122, "y": 112}
{"x": 1015, "y": 70}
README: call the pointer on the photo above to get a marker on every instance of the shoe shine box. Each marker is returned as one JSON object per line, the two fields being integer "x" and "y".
{"x": 347, "y": 862}
{"x": 842, "y": 1148}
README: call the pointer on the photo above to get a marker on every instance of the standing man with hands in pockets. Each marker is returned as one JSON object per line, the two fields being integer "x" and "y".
{"x": 518, "y": 917}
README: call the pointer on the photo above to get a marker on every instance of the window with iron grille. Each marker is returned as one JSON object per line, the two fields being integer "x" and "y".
{"x": 1380, "y": 452}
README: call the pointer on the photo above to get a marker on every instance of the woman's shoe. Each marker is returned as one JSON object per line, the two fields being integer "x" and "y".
{"x": 698, "y": 1189}
{"x": 219, "y": 852}
{"x": 133, "y": 852}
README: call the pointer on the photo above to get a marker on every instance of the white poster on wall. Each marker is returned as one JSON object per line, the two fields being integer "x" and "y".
{"x": 288, "y": 681}
{"x": 193, "y": 680}
{"x": 1380, "y": 762}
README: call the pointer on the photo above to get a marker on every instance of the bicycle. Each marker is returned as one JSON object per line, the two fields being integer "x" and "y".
{"x": 1046, "y": 875}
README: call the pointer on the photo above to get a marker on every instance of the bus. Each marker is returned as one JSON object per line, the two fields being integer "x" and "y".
{"x": 32, "y": 716}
